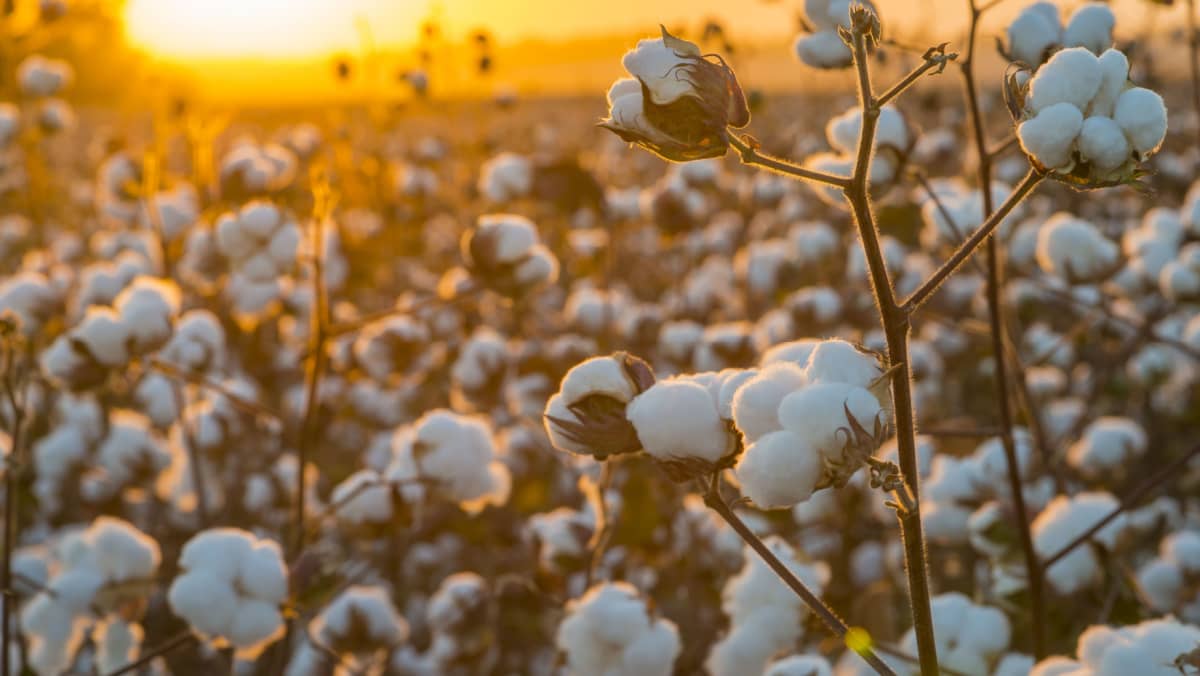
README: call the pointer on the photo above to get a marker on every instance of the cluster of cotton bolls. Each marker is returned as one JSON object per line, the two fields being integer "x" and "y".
{"x": 250, "y": 169}
{"x": 820, "y": 45}
{"x": 356, "y": 632}
{"x": 1081, "y": 117}
{"x": 140, "y": 321}
{"x": 610, "y": 630}
{"x": 261, "y": 243}
{"x": 105, "y": 572}
{"x": 1151, "y": 647}
{"x": 231, "y": 589}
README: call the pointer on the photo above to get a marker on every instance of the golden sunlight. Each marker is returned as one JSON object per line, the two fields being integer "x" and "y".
{"x": 215, "y": 29}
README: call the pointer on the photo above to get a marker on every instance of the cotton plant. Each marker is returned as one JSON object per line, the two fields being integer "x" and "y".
{"x": 231, "y": 590}
{"x": 612, "y": 630}
{"x": 1037, "y": 31}
{"x": 105, "y": 575}
{"x": 1080, "y": 119}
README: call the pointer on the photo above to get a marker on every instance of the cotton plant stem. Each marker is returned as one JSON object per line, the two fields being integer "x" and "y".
{"x": 994, "y": 291}
{"x": 312, "y": 383}
{"x": 1171, "y": 471}
{"x": 828, "y": 617}
{"x": 895, "y": 319}
{"x": 750, "y": 155}
{"x": 12, "y": 464}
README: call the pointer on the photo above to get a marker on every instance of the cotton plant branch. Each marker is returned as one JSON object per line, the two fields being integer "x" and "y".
{"x": 1130, "y": 500}
{"x": 896, "y": 326}
{"x": 835, "y": 624}
{"x": 748, "y": 149}
{"x": 994, "y": 292}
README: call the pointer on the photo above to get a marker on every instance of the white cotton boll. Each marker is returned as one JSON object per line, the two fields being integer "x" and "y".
{"x": 837, "y": 361}
{"x": 1070, "y": 76}
{"x": 205, "y": 600}
{"x": 1107, "y": 444}
{"x": 284, "y": 244}
{"x": 1161, "y": 583}
{"x": 1091, "y": 27}
{"x": 363, "y": 497}
{"x": 509, "y": 176}
{"x": 357, "y": 605}
{"x": 1014, "y": 664}
{"x": 1050, "y": 136}
{"x": 1143, "y": 117}
{"x": 657, "y": 66}
{"x": 731, "y": 382}
{"x": 1114, "y": 77}
{"x": 610, "y": 632}
{"x": 105, "y": 336}
{"x": 1064, "y": 519}
{"x": 796, "y": 352}
{"x": 598, "y": 375}
{"x": 818, "y": 414}
{"x": 41, "y": 77}
{"x": 1179, "y": 281}
{"x": 147, "y": 307}
{"x": 254, "y": 623}
{"x": 677, "y": 419}
{"x": 756, "y": 403}
{"x": 117, "y": 644}
{"x": 822, "y": 49}
{"x": 1075, "y": 250}
{"x": 1183, "y": 548}
{"x": 779, "y": 470}
{"x": 1035, "y": 30}
{"x": 654, "y": 652}
{"x": 1102, "y": 141}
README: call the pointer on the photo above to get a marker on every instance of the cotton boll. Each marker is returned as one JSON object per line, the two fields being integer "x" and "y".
{"x": 831, "y": 418}
{"x": 1091, "y": 27}
{"x": 117, "y": 644}
{"x": 105, "y": 337}
{"x": 255, "y": 624}
{"x": 1064, "y": 519}
{"x": 1070, "y": 76}
{"x": 1035, "y": 30}
{"x": 1107, "y": 444}
{"x": 779, "y": 470}
{"x": 756, "y": 403}
{"x": 1114, "y": 69}
{"x": 611, "y": 631}
{"x": 509, "y": 176}
{"x": 1102, "y": 142}
{"x": 1161, "y": 583}
{"x": 1050, "y": 136}
{"x": 823, "y": 49}
{"x": 837, "y": 361}
{"x": 677, "y": 419}
{"x": 1143, "y": 117}
{"x": 1075, "y": 250}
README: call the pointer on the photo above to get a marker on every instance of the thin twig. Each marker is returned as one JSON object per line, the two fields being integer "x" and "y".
{"x": 994, "y": 291}
{"x": 174, "y": 643}
{"x": 968, "y": 247}
{"x": 934, "y": 58}
{"x": 750, "y": 155}
{"x": 826, "y": 614}
{"x": 1135, "y": 496}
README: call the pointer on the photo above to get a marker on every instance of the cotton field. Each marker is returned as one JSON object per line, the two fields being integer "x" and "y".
{"x": 681, "y": 377}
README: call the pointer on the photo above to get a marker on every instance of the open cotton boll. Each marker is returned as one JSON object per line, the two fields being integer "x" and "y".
{"x": 1075, "y": 250}
{"x": 1103, "y": 143}
{"x": 1050, "y": 136}
{"x": 823, "y": 49}
{"x": 1107, "y": 444}
{"x": 1150, "y": 647}
{"x": 657, "y": 67}
{"x": 796, "y": 352}
{"x": 362, "y": 498}
{"x": 508, "y": 176}
{"x": 1179, "y": 280}
{"x": 611, "y": 632}
{"x": 598, "y": 375}
{"x": 1091, "y": 27}
{"x": 362, "y": 619}
{"x": 755, "y": 405}
{"x": 147, "y": 307}
{"x": 117, "y": 644}
{"x": 821, "y": 415}
{"x": 1066, "y": 518}
{"x": 1070, "y": 76}
{"x": 1035, "y": 30}
{"x": 779, "y": 470}
{"x": 969, "y": 637}
{"x": 837, "y": 361}
{"x": 1114, "y": 78}
{"x": 1142, "y": 115}
{"x": 678, "y": 420}
{"x": 105, "y": 337}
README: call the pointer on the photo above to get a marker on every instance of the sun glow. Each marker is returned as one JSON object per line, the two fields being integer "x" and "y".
{"x": 216, "y": 29}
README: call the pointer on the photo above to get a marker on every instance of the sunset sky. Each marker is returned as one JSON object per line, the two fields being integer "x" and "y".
{"x": 238, "y": 44}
